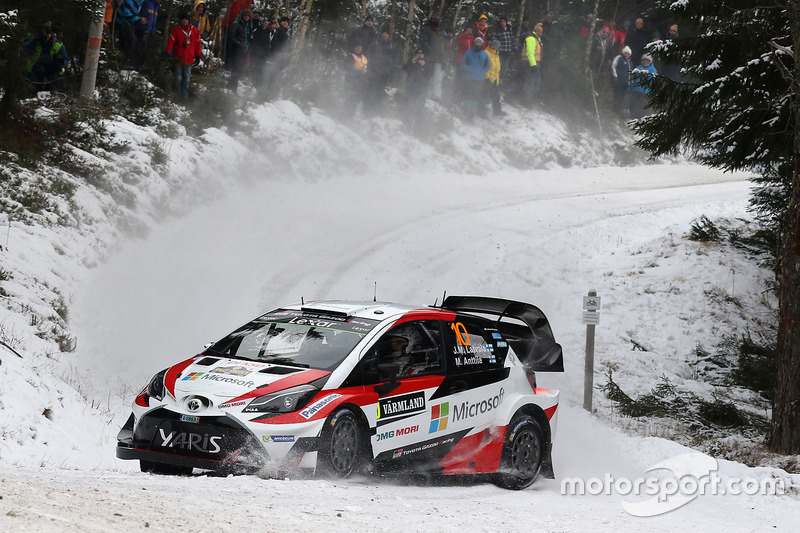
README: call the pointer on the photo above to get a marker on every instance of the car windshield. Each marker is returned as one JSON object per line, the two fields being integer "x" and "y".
{"x": 294, "y": 338}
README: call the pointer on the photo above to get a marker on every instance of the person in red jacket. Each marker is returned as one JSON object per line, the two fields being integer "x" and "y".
{"x": 185, "y": 46}
{"x": 464, "y": 43}
{"x": 481, "y": 30}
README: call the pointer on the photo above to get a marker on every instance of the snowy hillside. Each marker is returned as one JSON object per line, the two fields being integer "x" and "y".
{"x": 290, "y": 203}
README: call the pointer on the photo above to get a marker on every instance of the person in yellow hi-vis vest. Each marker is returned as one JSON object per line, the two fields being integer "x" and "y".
{"x": 355, "y": 75}
{"x": 532, "y": 52}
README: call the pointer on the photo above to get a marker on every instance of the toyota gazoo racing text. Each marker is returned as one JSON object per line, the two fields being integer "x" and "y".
{"x": 338, "y": 387}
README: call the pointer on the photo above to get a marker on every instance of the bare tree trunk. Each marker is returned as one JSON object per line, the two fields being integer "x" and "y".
{"x": 169, "y": 12}
{"x": 521, "y": 16}
{"x": 441, "y": 10}
{"x": 392, "y": 17}
{"x": 363, "y": 10}
{"x": 455, "y": 17}
{"x": 784, "y": 436}
{"x": 304, "y": 23}
{"x": 409, "y": 26}
{"x": 590, "y": 41}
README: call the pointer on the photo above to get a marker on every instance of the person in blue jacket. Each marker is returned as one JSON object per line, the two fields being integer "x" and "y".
{"x": 144, "y": 28}
{"x": 126, "y": 15}
{"x": 621, "y": 68}
{"x": 639, "y": 86}
{"x": 474, "y": 65}
{"x": 47, "y": 60}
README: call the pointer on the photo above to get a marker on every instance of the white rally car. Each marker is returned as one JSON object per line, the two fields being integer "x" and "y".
{"x": 338, "y": 387}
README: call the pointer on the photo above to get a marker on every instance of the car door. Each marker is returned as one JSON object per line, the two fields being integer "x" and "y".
{"x": 407, "y": 368}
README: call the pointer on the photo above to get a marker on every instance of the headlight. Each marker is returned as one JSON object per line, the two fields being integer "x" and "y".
{"x": 284, "y": 401}
{"x": 156, "y": 387}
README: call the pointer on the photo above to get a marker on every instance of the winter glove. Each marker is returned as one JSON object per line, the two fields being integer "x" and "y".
{"x": 196, "y": 61}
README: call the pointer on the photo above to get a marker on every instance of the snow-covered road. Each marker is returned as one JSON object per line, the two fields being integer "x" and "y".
{"x": 545, "y": 237}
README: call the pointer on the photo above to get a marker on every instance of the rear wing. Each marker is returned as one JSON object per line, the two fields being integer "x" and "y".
{"x": 532, "y": 341}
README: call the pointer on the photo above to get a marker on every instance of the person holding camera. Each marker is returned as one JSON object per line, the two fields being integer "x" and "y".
{"x": 419, "y": 74}
{"x": 185, "y": 47}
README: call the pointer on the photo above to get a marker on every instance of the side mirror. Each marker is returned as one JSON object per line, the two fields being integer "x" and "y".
{"x": 388, "y": 371}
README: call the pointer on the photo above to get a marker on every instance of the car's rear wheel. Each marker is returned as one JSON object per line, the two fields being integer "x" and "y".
{"x": 343, "y": 448}
{"x": 163, "y": 469}
{"x": 523, "y": 450}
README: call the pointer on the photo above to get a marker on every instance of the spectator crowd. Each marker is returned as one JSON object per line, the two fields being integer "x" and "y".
{"x": 474, "y": 69}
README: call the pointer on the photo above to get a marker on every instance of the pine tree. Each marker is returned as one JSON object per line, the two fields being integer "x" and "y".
{"x": 734, "y": 106}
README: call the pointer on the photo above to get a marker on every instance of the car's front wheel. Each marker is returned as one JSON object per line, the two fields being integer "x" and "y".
{"x": 343, "y": 448}
{"x": 523, "y": 450}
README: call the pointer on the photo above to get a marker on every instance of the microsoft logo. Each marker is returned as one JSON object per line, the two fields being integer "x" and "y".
{"x": 193, "y": 376}
{"x": 439, "y": 415}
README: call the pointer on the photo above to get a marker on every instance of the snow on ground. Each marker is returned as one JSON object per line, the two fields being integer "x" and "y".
{"x": 413, "y": 222}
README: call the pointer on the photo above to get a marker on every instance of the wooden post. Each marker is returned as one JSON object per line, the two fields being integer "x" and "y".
{"x": 590, "y": 319}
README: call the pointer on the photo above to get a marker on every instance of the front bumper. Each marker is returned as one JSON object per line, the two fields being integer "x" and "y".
{"x": 218, "y": 443}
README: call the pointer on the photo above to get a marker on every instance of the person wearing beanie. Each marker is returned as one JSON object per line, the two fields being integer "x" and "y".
{"x": 532, "y": 53}
{"x": 637, "y": 38}
{"x": 672, "y": 33}
{"x": 474, "y": 66}
{"x": 670, "y": 70}
{"x": 621, "y": 67}
{"x": 239, "y": 42}
{"x": 481, "y": 29}
{"x": 184, "y": 46}
{"x": 382, "y": 65}
{"x": 418, "y": 75}
{"x": 508, "y": 46}
{"x": 639, "y": 86}
{"x": 365, "y": 36}
{"x": 47, "y": 60}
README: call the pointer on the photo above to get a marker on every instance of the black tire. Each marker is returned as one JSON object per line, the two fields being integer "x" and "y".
{"x": 523, "y": 451}
{"x": 343, "y": 447}
{"x": 164, "y": 469}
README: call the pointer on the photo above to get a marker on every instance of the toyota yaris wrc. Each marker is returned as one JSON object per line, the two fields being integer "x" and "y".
{"x": 337, "y": 387}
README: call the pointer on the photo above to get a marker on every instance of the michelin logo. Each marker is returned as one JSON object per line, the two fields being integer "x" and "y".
{"x": 317, "y": 406}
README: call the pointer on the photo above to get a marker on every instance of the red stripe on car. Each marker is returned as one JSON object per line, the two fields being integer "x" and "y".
{"x": 476, "y": 454}
{"x": 426, "y": 314}
{"x": 174, "y": 372}
{"x": 300, "y": 378}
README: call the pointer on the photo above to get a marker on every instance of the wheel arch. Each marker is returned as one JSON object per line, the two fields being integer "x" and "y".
{"x": 361, "y": 417}
{"x": 538, "y": 414}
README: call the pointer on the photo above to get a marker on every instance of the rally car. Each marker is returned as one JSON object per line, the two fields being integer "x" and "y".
{"x": 338, "y": 387}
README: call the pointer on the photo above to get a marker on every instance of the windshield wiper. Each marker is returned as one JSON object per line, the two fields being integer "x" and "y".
{"x": 286, "y": 361}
